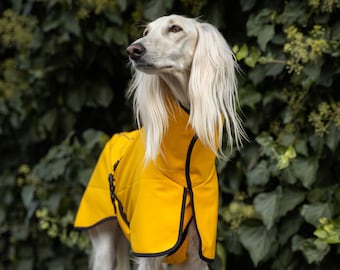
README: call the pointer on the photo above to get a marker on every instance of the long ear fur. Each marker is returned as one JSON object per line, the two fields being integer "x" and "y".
{"x": 149, "y": 99}
{"x": 213, "y": 91}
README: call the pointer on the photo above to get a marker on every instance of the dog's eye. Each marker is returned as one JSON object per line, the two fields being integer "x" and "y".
{"x": 146, "y": 32}
{"x": 175, "y": 29}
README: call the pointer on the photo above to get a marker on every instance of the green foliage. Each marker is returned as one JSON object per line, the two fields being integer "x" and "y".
{"x": 289, "y": 172}
{"x": 63, "y": 75}
{"x": 329, "y": 231}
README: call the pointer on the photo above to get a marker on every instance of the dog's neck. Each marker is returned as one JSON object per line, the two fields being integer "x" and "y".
{"x": 178, "y": 86}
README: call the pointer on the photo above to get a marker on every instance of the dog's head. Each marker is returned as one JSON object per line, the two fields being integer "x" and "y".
{"x": 191, "y": 60}
{"x": 167, "y": 45}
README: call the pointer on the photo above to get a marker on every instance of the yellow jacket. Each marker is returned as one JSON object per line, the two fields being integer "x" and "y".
{"x": 155, "y": 203}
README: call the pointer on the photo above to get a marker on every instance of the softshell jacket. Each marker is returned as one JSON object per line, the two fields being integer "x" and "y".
{"x": 154, "y": 203}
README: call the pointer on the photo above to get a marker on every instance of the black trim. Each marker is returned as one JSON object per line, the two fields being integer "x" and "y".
{"x": 112, "y": 191}
{"x": 184, "y": 236}
{"x": 114, "y": 198}
{"x": 122, "y": 213}
{"x": 191, "y": 193}
{"x": 181, "y": 234}
{"x": 97, "y": 223}
{"x": 115, "y": 165}
{"x": 187, "y": 162}
{"x": 184, "y": 108}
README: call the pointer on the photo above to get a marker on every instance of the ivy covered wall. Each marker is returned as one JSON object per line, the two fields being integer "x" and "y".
{"x": 63, "y": 76}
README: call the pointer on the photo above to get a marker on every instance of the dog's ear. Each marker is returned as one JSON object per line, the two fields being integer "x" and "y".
{"x": 149, "y": 100}
{"x": 213, "y": 90}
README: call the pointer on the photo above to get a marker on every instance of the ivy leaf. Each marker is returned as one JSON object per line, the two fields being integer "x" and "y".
{"x": 53, "y": 202}
{"x": 288, "y": 227}
{"x": 272, "y": 205}
{"x": 103, "y": 94}
{"x": 286, "y": 157}
{"x": 93, "y": 137}
{"x": 56, "y": 264}
{"x": 51, "y": 170}
{"x": 49, "y": 119}
{"x": 260, "y": 26}
{"x": 301, "y": 147}
{"x": 257, "y": 240}
{"x": 51, "y": 24}
{"x": 247, "y": 4}
{"x": 155, "y": 8}
{"x": 305, "y": 170}
{"x": 256, "y": 22}
{"x": 25, "y": 264}
{"x": 328, "y": 232}
{"x": 114, "y": 16}
{"x": 265, "y": 35}
{"x": 289, "y": 200}
{"x": 27, "y": 195}
{"x": 333, "y": 137}
{"x": 313, "y": 212}
{"x": 242, "y": 52}
{"x": 71, "y": 24}
{"x": 119, "y": 36}
{"x": 76, "y": 98}
{"x": 336, "y": 31}
{"x": 312, "y": 70}
{"x": 294, "y": 13}
{"x": 253, "y": 57}
{"x": 313, "y": 250}
{"x": 283, "y": 259}
{"x": 259, "y": 175}
{"x": 2, "y": 215}
{"x": 267, "y": 205}
{"x": 257, "y": 74}
{"x": 274, "y": 69}
{"x": 288, "y": 176}
{"x": 222, "y": 254}
{"x": 122, "y": 4}
{"x": 249, "y": 97}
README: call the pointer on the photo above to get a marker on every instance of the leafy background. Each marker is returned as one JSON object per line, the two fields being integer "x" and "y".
{"x": 63, "y": 76}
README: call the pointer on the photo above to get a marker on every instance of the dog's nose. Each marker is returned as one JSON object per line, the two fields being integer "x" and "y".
{"x": 135, "y": 51}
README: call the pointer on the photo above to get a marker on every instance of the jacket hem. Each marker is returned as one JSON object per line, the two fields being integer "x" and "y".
{"x": 95, "y": 224}
{"x": 180, "y": 239}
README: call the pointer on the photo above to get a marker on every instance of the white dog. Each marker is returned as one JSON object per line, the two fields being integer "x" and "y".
{"x": 162, "y": 178}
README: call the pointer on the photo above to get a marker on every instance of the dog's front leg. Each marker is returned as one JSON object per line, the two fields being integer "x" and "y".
{"x": 194, "y": 262}
{"x": 105, "y": 238}
{"x": 154, "y": 263}
{"x": 122, "y": 251}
